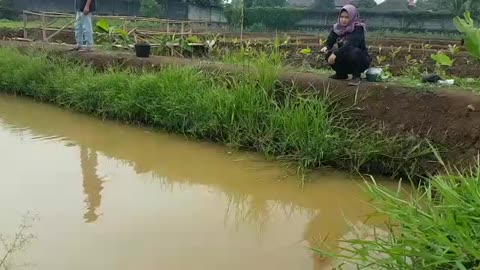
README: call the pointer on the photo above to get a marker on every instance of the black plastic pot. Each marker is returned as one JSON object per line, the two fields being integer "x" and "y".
{"x": 142, "y": 50}
{"x": 431, "y": 78}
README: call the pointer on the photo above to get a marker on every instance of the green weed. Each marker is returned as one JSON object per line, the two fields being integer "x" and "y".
{"x": 244, "y": 111}
{"x": 437, "y": 227}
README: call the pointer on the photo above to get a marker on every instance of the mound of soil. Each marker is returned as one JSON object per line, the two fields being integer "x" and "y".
{"x": 446, "y": 117}
{"x": 65, "y": 36}
{"x": 10, "y": 33}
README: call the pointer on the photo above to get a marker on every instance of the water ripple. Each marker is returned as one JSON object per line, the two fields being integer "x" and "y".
{"x": 26, "y": 133}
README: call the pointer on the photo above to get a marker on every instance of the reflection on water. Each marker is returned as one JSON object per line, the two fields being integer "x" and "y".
{"x": 169, "y": 203}
{"x": 92, "y": 184}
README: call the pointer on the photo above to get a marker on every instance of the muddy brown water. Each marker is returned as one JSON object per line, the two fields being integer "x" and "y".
{"x": 111, "y": 196}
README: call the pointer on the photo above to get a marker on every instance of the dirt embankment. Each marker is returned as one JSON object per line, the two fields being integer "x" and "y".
{"x": 446, "y": 117}
{"x": 65, "y": 36}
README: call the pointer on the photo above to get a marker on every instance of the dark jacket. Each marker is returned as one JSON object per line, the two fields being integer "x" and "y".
{"x": 81, "y": 5}
{"x": 355, "y": 39}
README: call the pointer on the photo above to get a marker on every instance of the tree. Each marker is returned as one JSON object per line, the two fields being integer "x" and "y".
{"x": 149, "y": 8}
{"x": 269, "y": 3}
{"x": 457, "y": 7}
{"x": 207, "y": 3}
{"x": 7, "y": 9}
{"x": 264, "y": 3}
{"x": 365, "y": 3}
{"x": 430, "y": 4}
{"x": 473, "y": 6}
{"x": 324, "y": 4}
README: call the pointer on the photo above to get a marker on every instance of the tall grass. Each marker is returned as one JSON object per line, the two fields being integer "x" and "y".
{"x": 267, "y": 62}
{"x": 306, "y": 129}
{"x": 437, "y": 228}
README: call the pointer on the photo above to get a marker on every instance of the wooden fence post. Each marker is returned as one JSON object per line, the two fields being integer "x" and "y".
{"x": 25, "y": 18}
{"x": 44, "y": 27}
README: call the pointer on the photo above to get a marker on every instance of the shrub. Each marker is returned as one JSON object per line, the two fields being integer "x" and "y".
{"x": 233, "y": 14}
{"x": 149, "y": 8}
{"x": 273, "y": 18}
{"x": 7, "y": 9}
{"x": 257, "y": 27}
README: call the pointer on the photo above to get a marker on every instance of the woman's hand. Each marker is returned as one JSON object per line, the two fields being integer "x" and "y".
{"x": 332, "y": 58}
{"x": 323, "y": 50}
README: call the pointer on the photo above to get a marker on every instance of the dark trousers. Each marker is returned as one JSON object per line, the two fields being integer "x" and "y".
{"x": 353, "y": 61}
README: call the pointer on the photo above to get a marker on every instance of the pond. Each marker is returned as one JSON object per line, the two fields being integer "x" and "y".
{"x": 113, "y": 196}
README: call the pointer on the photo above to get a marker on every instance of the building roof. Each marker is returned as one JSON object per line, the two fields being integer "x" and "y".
{"x": 300, "y": 3}
{"x": 392, "y": 5}
{"x": 308, "y": 3}
{"x": 342, "y": 3}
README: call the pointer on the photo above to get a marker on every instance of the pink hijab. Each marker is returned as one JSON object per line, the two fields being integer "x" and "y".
{"x": 355, "y": 20}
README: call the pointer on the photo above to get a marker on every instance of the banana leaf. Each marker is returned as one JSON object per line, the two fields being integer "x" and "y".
{"x": 471, "y": 34}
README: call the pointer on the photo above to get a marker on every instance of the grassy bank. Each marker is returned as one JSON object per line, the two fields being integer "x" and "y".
{"x": 438, "y": 228}
{"x": 249, "y": 112}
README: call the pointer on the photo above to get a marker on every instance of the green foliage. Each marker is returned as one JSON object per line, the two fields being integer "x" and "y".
{"x": 172, "y": 44}
{"x": 233, "y": 13}
{"x": 306, "y": 51}
{"x": 244, "y": 3}
{"x": 269, "y": 3}
{"x": 194, "y": 39}
{"x": 7, "y": 9}
{"x": 248, "y": 111}
{"x": 149, "y": 8}
{"x": 457, "y": 7}
{"x": 264, "y": 3}
{"x": 273, "y": 18}
{"x": 426, "y": 4}
{"x": 437, "y": 227}
{"x": 471, "y": 34}
{"x": 365, "y": 3}
{"x": 324, "y": 5}
{"x": 441, "y": 59}
{"x": 207, "y": 3}
{"x": 260, "y": 3}
{"x": 257, "y": 27}
{"x": 410, "y": 34}
{"x": 111, "y": 34}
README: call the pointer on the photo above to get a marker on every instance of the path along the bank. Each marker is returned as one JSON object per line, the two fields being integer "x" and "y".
{"x": 444, "y": 116}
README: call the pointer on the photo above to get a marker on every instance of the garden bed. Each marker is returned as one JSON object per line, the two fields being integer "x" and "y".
{"x": 399, "y": 54}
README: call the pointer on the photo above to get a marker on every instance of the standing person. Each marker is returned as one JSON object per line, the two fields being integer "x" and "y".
{"x": 83, "y": 25}
{"x": 351, "y": 55}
